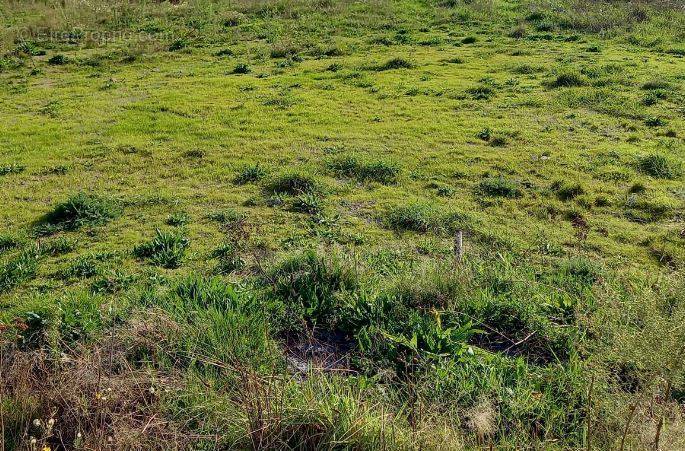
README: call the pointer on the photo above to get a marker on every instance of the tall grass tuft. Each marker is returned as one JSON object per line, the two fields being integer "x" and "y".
{"x": 166, "y": 249}
{"x": 79, "y": 210}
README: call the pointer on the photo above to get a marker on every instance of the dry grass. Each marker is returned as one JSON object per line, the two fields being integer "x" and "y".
{"x": 88, "y": 398}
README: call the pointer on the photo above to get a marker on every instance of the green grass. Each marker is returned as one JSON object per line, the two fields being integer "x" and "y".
{"x": 166, "y": 249}
{"x": 78, "y": 211}
{"x": 312, "y": 164}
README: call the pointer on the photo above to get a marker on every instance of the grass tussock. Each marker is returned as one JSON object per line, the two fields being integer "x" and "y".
{"x": 167, "y": 249}
{"x": 250, "y": 174}
{"x": 423, "y": 218}
{"x": 293, "y": 183}
{"x": 378, "y": 171}
{"x": 660, "y": 166}
{"x": 500, "y": 187}
{"x": 18, "y": 269}
{"x": 80, "y": 210}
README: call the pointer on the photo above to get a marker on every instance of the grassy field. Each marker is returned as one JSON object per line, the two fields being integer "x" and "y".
{"x": 231, "y": 224}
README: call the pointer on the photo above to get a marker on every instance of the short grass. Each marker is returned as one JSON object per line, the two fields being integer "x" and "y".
{"x": 232, "y": 224}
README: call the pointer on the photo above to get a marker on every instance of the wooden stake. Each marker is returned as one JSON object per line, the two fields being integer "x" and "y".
{"x": 589, "y": 414}
{"x": 633, "y": 408}
{"x": 459, "y": 246}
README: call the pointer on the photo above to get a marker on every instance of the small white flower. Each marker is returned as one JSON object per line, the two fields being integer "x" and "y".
{"x": 51, "y": 422}
{"x": 78, "y": 435}
{"x": 36, "y": 422}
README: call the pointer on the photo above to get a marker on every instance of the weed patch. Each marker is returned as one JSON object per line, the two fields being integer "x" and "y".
{"x": 11, "y": 169}
{"x": 500, "y": 187}
{"x": 78, "y": 211}
{"x": 309, "y": 203}
{"x": 566, "y": 190}
{"x": 18, "y": 269}
{"x": 166, "y": 249}
{"x": 242, "y": 68}
{"x": 568, "y": 79}
{"x": 250, "y": 174}
{"x": 229, "y": 256}
{"x": 293, "y": 183}
{"x": 378, "y": 171}
{"x": 310, "y": 284}
{"x": 8, "y": 242}
{"x": 395, "y": 63}
{"x": 659, "y": 166}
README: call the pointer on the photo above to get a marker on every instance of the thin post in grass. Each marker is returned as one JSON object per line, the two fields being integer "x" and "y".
{"x": 588, "y": 439}
{"x": 633, "y": 408}
{"x": 459, "y": 246}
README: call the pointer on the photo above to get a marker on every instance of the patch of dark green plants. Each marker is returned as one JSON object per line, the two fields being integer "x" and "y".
{"x": 177, "y": 219}
{"x": 56, "y": 170}
{"x": 34, "y": 329}
{"x": 282, "y": 51}
{"x": 498, "y": 141}
{"x": 656, "y": 85}
{"x": 485, "y": 134}
{"x": 178, "y": 44}
{"x": 242, "y": 68}
{"x": 58, "y": 60}
{"x": 250, "y": 174}
{"x": 194, "y": 154}
{"x": 659, "y": 166}
{"x": 642, "y": 208}
{"x": 312, "y": 203}
{"x": 113, "y": 282}
{"x": 441, "y": 189}
{"x": 224, "y": 52}
{"x": 8, "y": 242}
{"x": 378, "y": 171}
{"x": 310, "y": 285}
{"x": 59, "y": 246}
{"x": 84, "y": 267}
{"x": 18, "y": 269}
{"x": 653, "y": 97}
{"x": 167, "y": 249}
{"x": 566, "y": 190}
{"x": 654, "y": 121}
{"x": 424, "y": 217}
{"x": 568, "y": 78}
{"x": 502, "y": 303}
{"x": 292, "y": 183}
{"x": 29, "y": 48}
{"x": 481, "y": 92}
{"x": 395, "y": 63}
{"x": 500, "y": 186}
{"x": 424, "y": 341}
{"x": 228, "y": 217}
{"x": 82, "y": 209}
{"x": 229, "y": 256}
{"x": 11, "y": 169}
